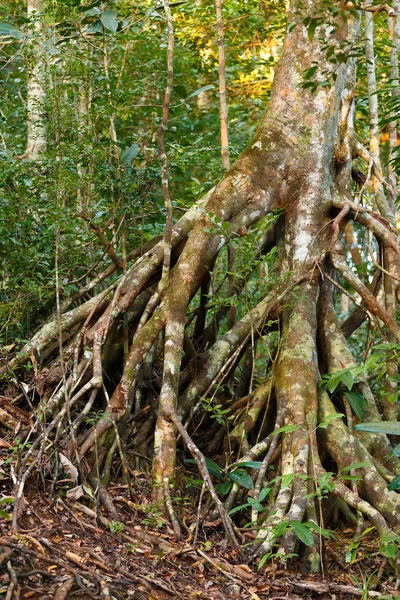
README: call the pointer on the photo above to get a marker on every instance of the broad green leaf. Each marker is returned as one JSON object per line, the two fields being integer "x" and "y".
{"x": 205, "y": 88}
{"x": 320, "y": 530}
{"x": 356, "y": 401}
{"x": 395, "y": 484}
{"x": 386, "y": 538}
{"x": 347, "y": 379}
{"x": 254, "y": 504}
{"x": 129, "y": 154}
{"x": 180, "y": 91}
{"x": 242, "y": 478}
{"x": 7, "y": 500}
{"x": 311, "y": 29}
{"x": 389, "y": 551}
{"x": 359, "y": 465}
{"x": 263, "y": 560}
{"x": 396, "y": 450}
{"x": 237, "y": 508}
{"x": 92, "y": 12}
{"x": 388, "y": 427}
{"x": 263, "y": 494}
{"x": 286, "y": 429}
{"x": 96, "y": 27}
{"x": 212, "y": 467}
{"x": 7, "y": 30}
{"x": 310, "y": 72}
{"x": 109, "y": 19}
{"x": 251, "y": 464}
{"x": 287, "y": 480}
{"x": 224, "y": 487}
{"x": 303, "y": 533}
{"x": 333, "y": 382}
{"x": 4, "y": 514}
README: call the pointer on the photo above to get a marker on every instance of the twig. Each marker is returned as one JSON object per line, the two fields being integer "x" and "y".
{"x": 202, "y": 465}
{"x": 13, "y": 588}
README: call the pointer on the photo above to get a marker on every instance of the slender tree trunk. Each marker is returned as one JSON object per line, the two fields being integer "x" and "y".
{"x": 36, "y": 141}
{"x": 223, "y": 109}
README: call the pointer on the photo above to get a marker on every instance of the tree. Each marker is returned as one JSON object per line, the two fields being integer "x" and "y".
{"x": 293, "y": 186}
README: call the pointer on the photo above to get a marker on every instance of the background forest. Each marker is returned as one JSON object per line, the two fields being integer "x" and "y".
{"x": 111, "y": 121}
{"x": 104, "y": 87}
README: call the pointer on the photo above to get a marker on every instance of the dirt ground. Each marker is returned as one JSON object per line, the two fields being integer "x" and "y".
{"x": 62, "y": 550}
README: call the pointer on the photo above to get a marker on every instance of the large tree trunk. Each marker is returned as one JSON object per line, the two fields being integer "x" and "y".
{"x": 300, "y": 164}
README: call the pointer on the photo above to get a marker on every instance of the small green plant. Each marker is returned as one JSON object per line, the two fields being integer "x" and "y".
{"x": 304, "y": 532}
{"x": 4, "y": 501}
{"x": 365, "y": 586}
{"x": 351, "y": 553}
{"x": 389, "y": 545}
{"x": 253, "y": 502}
{"x": 235, "y": 473}
{"x": 19, "y": 449}
{"x": 132, "y": 547}
{"x": 216, "y": 411}
{"x": 323, "y": 486}
{"x": 206, "y": 546}
{"x": 116, "y": 527}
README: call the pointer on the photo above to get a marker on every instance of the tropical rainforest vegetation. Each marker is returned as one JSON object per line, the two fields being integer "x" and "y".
{"x": 200, "y": 279}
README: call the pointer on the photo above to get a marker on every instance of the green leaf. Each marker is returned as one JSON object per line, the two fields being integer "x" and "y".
{"x": 333, "y": 382}
{"x": 390, "y": 551}
{"x": 224, "y": 487}
{"x": 200, "y": 90}
{"x": 328, "y": 419}
{"x": 109, "y": 19}
{"x": 356, "y": 401}
{"x": 242, "y": 478}
{"x": 388, "y": 427}
{"x": 396, "y": 450}
{"x": 254, "y": 504}
{"x": 237, "y": 508}
{"x": 129, "y": 154}
{"x": 180, "y": 91}
{"x": 251, "y": 464}
{"x": 320, "y": 530}
{"x": 7, "y": 500}
{"x": 311, "y": 29}
{"x": 4, "y": 514}
{"x": 287, "y": 480}
{"x": 88, "y": 490}
{"x": 303, "y": 533}
{"x": 263, "y": 494}
{"x": 264, "y": 560}
{"x": 347, "y": 379}
{"x": 96, "y": 27}
{"x": 285, "y": 429}
{"x": 360, "y": 465}
{"x": 212, "y": 467}
{"x": 395, "y": 484}
{"x": 7, "y": 30}
{"x": 92, "y": 12}
{"x": 310, "y": 72}
{"x": 386, "y": 538}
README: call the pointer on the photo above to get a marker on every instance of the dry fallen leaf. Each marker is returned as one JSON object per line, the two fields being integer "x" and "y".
{"x": 75, "y": 557}
{"x": 75, "y": 493}
{"x": 68, "y": 467}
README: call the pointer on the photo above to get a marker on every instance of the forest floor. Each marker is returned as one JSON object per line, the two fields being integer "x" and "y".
{"x": 63, "y": 551}
{"x": 66, "y": 546}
